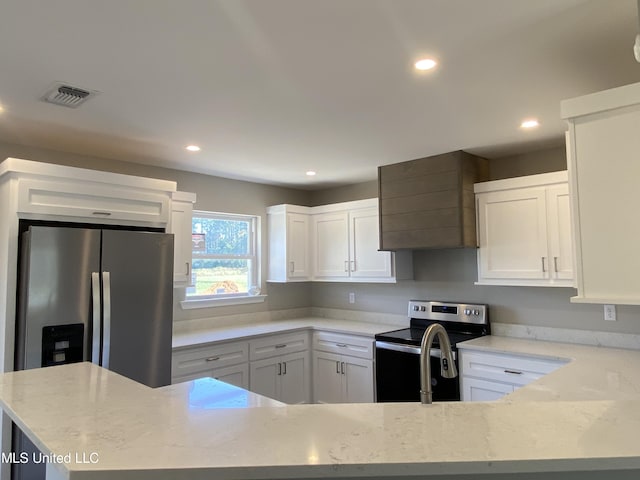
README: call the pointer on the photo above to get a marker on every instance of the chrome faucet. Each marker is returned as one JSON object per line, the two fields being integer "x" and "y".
{"x": 447, "y": 363}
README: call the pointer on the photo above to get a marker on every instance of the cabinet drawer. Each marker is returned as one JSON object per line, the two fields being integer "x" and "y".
{"x": 199, "y": 359}
{"x": 515, "y": 370}
{"x": 278, "y": 345}
{"x": 90, "y": 200}
{"x": 352, "y": 345}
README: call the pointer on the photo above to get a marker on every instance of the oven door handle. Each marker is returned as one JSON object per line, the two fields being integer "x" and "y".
{"x": 397, "y": 347}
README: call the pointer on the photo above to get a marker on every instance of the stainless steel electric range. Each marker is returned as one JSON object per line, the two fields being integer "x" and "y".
{"x": 398, "y": 351}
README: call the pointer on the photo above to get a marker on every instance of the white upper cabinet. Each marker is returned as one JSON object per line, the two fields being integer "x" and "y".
{"x": 180, "y": 226}
{"x": 524, "y": 231}
{"x": 366, "y": 260}
{"x": 330, "y": 237}
{"x": 288, "y": 233}
{"x": 604, "y": 175}
{"x": 344, "y": 244}
{"x": 337, "y": 243}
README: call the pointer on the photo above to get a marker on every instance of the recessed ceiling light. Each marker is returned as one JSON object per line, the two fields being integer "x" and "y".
{"x": 193, "y": 148}
{"x": 310, "y": 173}
{"x": 425, "y": 64}
{"x": 531, "y": 123}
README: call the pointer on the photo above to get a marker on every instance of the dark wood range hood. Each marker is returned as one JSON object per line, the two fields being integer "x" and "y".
{"x": 429, "y": 202}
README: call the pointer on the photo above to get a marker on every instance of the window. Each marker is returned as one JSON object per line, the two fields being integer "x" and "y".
{"x": 225, "y": 262}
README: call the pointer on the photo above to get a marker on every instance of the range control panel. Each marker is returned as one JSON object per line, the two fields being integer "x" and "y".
{"x": 448, "y": 312}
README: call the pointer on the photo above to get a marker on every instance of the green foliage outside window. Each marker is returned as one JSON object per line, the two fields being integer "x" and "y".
{"x": 224, "y": 256}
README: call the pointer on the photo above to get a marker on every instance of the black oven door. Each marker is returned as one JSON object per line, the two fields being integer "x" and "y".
{"x": 398, "y": 375}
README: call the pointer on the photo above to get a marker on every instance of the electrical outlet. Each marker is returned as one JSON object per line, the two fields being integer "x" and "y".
{"x": 610, "y": 313}
{"x": 352, "y": 297}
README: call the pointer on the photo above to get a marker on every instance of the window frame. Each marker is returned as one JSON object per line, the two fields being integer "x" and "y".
{"x": 253, "y": 257}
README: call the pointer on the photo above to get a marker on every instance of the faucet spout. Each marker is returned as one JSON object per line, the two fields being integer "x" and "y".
{"x": 447, "y": 364}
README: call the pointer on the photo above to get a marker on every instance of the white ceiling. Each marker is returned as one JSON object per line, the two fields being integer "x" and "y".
{"x": 272, "y": 88}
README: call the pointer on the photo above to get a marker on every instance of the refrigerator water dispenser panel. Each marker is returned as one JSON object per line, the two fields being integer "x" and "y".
{"x": 62, "y": 344}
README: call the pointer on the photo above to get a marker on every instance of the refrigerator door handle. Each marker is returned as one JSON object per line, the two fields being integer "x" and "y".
{"x": 106, "y": 318}
{"x": 95, "y": 294}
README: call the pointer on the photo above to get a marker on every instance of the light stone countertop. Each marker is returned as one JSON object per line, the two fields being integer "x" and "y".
{"x": 187, "y": 339}
{"x": 591, "y": 373}
{"x": 145, "y": 433}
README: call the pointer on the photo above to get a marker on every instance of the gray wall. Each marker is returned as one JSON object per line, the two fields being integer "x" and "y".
{"x": 540, "y": 161}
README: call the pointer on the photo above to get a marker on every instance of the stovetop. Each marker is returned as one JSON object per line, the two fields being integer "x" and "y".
{"x": 461, "y": 321}
{"x": 413, "y": 336}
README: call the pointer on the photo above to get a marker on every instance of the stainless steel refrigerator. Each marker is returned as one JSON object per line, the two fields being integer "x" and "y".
{"x": 100, "y": 295}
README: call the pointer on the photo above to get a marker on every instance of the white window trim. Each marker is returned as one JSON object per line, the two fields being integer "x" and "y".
{"x": 190, "y": 303}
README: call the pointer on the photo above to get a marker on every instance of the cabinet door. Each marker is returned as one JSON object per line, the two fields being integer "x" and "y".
{"x": 181, "y": 218}
{"x": 331, "y": 245}
{"x": 264, "y": 377}
{"x": 358, "y": 380}
{"x": 294, "y": 378}
{"x": 559, "y": 231}
{"x": 476, "y": 390}
{"x": 513, "y": 234}
{"x": 327, "y": 378}
{"x": 297, "y": 245}
{"x": 365, "y": 259}
{"x": 237, "y": 375}
{"x": 90, "y": 200}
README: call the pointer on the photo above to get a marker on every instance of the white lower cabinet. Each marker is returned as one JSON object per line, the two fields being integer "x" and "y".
{"x": 279, "y": 367}
{"x": 282, "y": 378}
{"x": 342, "y": 379}
{"x": 486, "y": 376}
{"x": 227, "y": 362}
{"x": 476, "y": 390}
{"x": 284, "y": 367}
{"x": 342, "y": 368}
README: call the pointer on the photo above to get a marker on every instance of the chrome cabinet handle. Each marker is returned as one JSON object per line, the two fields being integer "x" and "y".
{"x": 279, "y": 368}
{"x": 188, "y": 264}
{"x": 292, "y": 267}
{"x": 212, "y": 359}
{"x": 337, "y": 367}
{"x": 346, "y": 265}
{"x": 543, "y": 269}
{"x": 341, "y": 345}
{"x": 555, "y": 264}
{"x": 514, "y": 372}
{"x": 342, "y": 368}
{"x": 281, "y": 345}
{"x": 104, "y": 214}
{"x": 353, "y": 265}
{"x": 284, "y": 369}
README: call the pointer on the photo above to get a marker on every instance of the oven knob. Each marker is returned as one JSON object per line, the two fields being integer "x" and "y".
{"x": 467, "y": 311}
{"x": 476, "y": 312}
{"x": 423, "y": 308}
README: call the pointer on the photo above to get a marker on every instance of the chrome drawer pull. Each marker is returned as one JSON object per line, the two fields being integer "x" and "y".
{"x": 105, "y": 214}
{"x": 282, "y": 345}
{"x": 341, "y": 345}
{"x": 212, "y": 359}
{"x": 515, "y": 372}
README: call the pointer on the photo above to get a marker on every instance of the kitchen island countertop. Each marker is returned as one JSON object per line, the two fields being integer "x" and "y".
{"x": 144, "y": 433}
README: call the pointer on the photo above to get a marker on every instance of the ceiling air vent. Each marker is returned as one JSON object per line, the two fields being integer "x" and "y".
{"x": 68, "y": 96}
